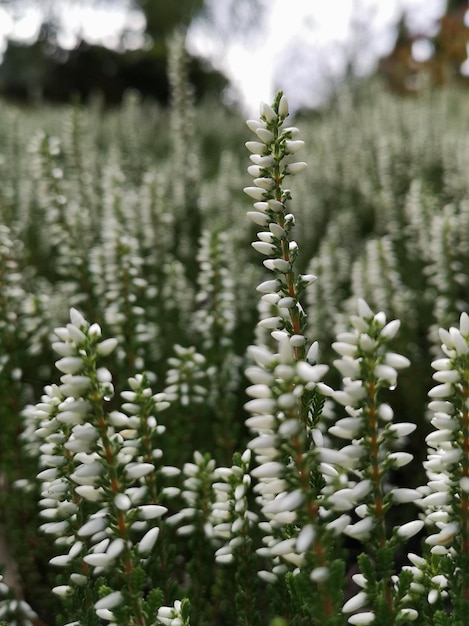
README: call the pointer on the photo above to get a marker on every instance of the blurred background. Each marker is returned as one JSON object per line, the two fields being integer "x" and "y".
{"x": 241, "y": 50}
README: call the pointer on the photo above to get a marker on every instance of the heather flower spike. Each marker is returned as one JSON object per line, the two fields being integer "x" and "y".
{"x": 369, "y": 368}
{"x": 272, "y": 165}
{"x": 286, "y": 403}
{"x": 443, "y": 576}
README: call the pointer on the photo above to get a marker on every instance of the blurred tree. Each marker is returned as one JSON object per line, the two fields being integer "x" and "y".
{"x": 163, "y": 16}
{"x": 44, "y": 70}
{"x": 447, "y": 50}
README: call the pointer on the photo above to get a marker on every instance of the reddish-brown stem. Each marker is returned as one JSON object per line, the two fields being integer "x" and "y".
{"x": 376, "y": 476}
{"x": 465, "y": 471}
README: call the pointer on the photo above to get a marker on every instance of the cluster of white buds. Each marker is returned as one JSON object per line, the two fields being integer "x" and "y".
{"x": 230, "y": 517}
{"x": 287, "y": 393}
{"x": 176, "y": 615}
{"x": 445, "y": 498}
{"x": 215, "y": 316}
{"x": 271, "y": 164}
{"x": 14, "y": 612}
{"x": 281, "y": 386}
{"x": 118, "y": 276}
{"x": 368, "y": 367}
{"x": 187, "y": 377}
{"x": 50, "y": 193}
{"x": 99, "y": 492}
{"x": 197, "y": 494}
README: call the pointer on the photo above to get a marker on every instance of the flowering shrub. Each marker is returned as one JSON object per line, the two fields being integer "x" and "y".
{"x": 206, "y": 451}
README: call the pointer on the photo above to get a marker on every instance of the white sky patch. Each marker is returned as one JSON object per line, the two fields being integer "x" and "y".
{"x": 26, "y": 27}
{"x": 99, "y": 24}
{"x": 306, "y": 45}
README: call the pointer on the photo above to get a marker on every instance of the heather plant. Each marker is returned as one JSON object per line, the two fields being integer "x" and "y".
{"x": 199, "y": 454}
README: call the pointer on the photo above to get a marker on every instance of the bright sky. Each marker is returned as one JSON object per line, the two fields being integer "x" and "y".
{"x": 306, "y": 44}
{"x": 303, "y": 47}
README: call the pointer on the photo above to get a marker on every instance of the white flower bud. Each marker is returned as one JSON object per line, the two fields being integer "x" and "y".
{"x": 441, "y": 391}
{"x": 98, "y": 560}
{"x": 277, "y": 265}
{"x": 364, "y": 310}
{"x": 283, "y": 107}
{"x": 147, "y": 542}
{"x": 254, "y": 192}
{"x": 361, "y": 619}
{"x": 265, "y": 183}
{"x": 261, "y": 219}
{"x": 293, "y": 145}
{"x": 110, "y": 601}
{"x": 267, "y": 111}
{"x": 406, "y": 531}
{"x": 295, "y": 168}
{"x": 107, "y": 346}
{"x": 138, "y": 470}
{"x": 151, "y": 511}
{"x": 356, "y": 602}
{"x": 305, "y": 538}
{"x": 266, "y": 136}
{"x": 255, "y": 124}
{"x": 256, "y": 147}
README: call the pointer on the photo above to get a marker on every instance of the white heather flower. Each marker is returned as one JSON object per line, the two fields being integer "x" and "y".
{"x": 296, "y": 168}
{"x": 267, "y": 111}
{"x": 433, "y": 596}
{"x": 107, "y": 346}
{"x": 311, "y": 373}
{"x": 92, "y": 526}
{"x": 272, "y": 469}
{"x": 74, "y": 386}
{"x": 265, "y": 183}
{"x": 446, "y": 534}
{"x": 361, "y": 529}
{"x": 400, "y": 459}
{"x": 406, "y": 531}
{"x": 110, "y": 601}
{"x": 151, "y": 511}
{"x": 356, "y": 602}
{"x": 403, "y": 495}
{"x": 98, "y": 560}
{"x": 293, "y": 146}
{"x": 283, "y": 106}
{"x": 305, "y": 538}
{"x": 265, "y": 135}
{"x": 441, "y": 391}
{"x": 77, "y": 318}
{"x": 62, "y": 590}
{"x": 360, "y": 619}
{"x": 255, "y": 192}
{"x": 147, "y": 542}
{"x": 391, "y": 329}
{"x": 138, "y": 470}
{"x": 256, "y": 147}
{"x": 288, "y": 502}
{"x": 70, "y": 365}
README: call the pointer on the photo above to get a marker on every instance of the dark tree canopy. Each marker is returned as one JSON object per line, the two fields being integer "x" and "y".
{"x": 407, "y": 75}
{"x": 43, "y": 70}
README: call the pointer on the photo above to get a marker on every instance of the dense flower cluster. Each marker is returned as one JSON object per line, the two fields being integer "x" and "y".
{"x": 445, "y": 497}
{"x": 99, "y": 492}
{"x": 368, "y": 368}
